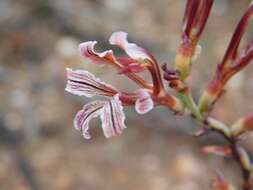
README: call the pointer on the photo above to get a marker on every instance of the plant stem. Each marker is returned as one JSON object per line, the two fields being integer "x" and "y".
{"x": 191, "y": 105}
{"x": 233, "y": 144}
{"x": 223, "y": 130}
{"x": 245, "y": 171}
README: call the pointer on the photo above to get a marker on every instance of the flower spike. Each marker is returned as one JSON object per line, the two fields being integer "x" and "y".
{"x": 145, "y": 98}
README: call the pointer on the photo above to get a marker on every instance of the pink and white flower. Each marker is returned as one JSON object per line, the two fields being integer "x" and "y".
{"x": 110, "y": 111}
{"x": 83, "y": 83}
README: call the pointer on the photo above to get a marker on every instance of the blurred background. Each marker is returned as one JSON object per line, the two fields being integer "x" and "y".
{"x": 40, "y": 149}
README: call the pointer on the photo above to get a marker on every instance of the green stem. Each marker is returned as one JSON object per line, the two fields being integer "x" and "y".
{"x": 188, "y": 102}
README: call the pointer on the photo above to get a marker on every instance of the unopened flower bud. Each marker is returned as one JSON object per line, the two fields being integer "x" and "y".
{"x": 194, "y": 21}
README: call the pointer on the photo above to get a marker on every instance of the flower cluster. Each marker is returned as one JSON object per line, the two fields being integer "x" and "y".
{"x": 151, "y": 94}
{"x": 83, "y": 83}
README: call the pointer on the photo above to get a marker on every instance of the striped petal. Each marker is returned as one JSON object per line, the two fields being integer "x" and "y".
{"x": 113, "y": 117}
{"x": 83, "y": 83}
{"x": 144, "y": 102}
{"x": 83, "y": 117}
{"x": 87, "y": 51}
{"x": 131, "y": 49}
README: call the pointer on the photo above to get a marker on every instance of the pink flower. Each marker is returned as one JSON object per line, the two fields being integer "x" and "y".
{"x": 83, "y": 83}
{"x": 138, "y": 60}
{"x": 110, "y": 111}
{"x": 137, "y": 55}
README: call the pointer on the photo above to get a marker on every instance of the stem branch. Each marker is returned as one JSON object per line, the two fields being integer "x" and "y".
{"x": 220, "y": 128}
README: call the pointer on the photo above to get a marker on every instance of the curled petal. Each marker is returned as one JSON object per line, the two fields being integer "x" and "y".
{"x": 131, "y": 49}
{"x": 87, "y": 51}
{"x": 83, "y": 83}
{"x": 83, "y": 117}
{"x": 113, "y": 117}
{"x": 144, "y": 102}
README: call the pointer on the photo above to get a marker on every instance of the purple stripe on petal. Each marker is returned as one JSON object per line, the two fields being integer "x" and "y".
{"x": 113, "y": 117}
{"x": 83, "y": 83}
{"x": 83, "y": 117}
{"x": 131, "y": 49}
{"x": 144, "y": 102}
{"x": 87, "y": 51}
